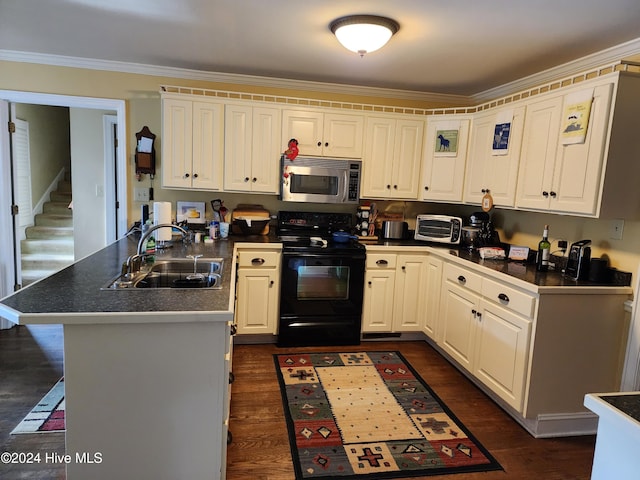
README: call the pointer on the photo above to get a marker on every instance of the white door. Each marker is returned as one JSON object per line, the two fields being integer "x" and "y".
{"x": 7, "y": 255}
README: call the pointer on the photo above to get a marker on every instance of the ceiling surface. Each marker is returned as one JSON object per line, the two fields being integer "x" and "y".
{"x": 460, "y": 47}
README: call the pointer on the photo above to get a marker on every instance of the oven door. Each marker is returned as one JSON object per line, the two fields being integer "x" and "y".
{"x": 321, "y": 298}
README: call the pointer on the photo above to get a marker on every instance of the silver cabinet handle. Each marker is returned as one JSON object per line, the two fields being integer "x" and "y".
{"x": 257, "y": 261}
{"x": 382, "y": 262}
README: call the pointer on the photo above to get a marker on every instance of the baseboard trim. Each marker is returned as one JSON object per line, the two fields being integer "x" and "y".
{"x": 561, "y": 424}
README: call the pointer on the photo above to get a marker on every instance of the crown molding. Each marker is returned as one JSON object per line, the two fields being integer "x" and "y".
{"x": 595, "y": 60}
{"x": 238, "y": 79}
{"x": 553, "y": 74}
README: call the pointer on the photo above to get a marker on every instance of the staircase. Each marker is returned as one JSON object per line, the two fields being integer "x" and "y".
{"x": 48, "y": 246}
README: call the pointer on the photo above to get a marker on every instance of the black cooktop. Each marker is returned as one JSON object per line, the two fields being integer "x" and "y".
{"x": 313, "y": 232}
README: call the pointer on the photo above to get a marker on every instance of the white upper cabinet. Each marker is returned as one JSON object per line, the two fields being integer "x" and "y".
{"x": 445, "y": 157}
{"x": 494, "y": 152}
{"x": 579, "y": 167}
{"x": 192, "y": 144}
{"x": 252, "y": 149}
{"x": 558, "y": 177}
{"x": 324, "y": 134}
{"x": 595, "y": 176}
{"x": 392, "y": 158}
{"x": 537, "y": 160}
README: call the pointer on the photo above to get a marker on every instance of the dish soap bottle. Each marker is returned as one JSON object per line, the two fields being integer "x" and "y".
{"x": 150, "y": 249}
{"x": 544, "y": 251}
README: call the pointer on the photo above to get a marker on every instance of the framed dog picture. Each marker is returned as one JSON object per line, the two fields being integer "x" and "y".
{"x": 446, "y": 143}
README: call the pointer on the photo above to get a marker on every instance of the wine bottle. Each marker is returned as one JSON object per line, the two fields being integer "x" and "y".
{"x": 544, "y": 251}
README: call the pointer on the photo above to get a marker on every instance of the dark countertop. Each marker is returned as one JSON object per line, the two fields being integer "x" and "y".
{"x": 522, "y": 271}
{"x": 627, "y": 404}
{"x": 78, "y": 288}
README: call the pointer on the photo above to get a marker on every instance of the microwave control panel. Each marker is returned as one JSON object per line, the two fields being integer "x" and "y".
{"x": 353, "y": 190}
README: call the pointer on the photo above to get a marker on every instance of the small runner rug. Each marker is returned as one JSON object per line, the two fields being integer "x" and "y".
{"x": 48, "y": 415}
{"x": 369, "y": 415}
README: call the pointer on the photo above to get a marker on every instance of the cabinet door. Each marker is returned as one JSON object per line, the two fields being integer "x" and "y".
{"x": 342, "y": 135}
{"x": 407, "y": 159}
{"x": 177, "y": 130}
{"x": 377, "y": 305}
{"x": 238, "y": 133}
{"x": 208, "y": 146}
{"x": 476, "y": 183}
{"x": 430, "y": 325}
{"x": 444, "y": 162}
{"x": 265, "y": 150}
{"x": 539, "y": 146}
{"x": 410, "y": 300}
{"x": 501, "y": 355}
{"x": 304, "y": 126}
{"x": 377, "y": 166}
{"x": 257, "y": 301}
{"x": 487, "y": 170}
{"x": 578, "y": 171}
{"x": 458, "y": 311}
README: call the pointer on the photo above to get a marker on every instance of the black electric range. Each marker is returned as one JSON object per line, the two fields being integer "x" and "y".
{"x": 322, "y": 280}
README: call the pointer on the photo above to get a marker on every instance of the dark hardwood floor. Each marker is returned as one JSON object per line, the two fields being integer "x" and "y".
{"x": 31, "y": 362}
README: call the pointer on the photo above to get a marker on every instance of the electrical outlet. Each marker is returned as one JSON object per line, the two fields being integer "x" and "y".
{"x": 141, "y": 194}
{"x": 616, "y": 228}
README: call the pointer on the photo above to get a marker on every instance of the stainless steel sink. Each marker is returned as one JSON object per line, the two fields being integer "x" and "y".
{"x": 174, "y": 273}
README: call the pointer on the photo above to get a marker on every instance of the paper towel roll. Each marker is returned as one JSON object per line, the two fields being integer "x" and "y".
{"x": 162, "y": 214}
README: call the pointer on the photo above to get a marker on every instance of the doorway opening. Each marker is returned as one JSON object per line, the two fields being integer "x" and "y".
{"x": 113, "y": 168}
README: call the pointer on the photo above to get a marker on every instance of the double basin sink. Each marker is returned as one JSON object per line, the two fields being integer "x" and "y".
{"x": 173, "y": 273}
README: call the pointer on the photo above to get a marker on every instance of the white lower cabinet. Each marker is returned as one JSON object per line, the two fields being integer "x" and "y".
{"x": 483, "y": 335}
{"x": 432, "y": 297}
{"x": 257, "y": 291}
{"x": 399, "y": 293}
{"x": 379, "y": 286}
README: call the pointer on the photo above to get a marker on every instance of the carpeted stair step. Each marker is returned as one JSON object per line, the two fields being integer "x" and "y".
{"x": 45, "y": 261}
{"x": 48, "y": 232}
{"x": 46, "y": 220}
{"x": 57, "y": 208}
{"x": 64, "y": 186}
{"x": 60, "y": 197}
{"x": 61, "y": 245}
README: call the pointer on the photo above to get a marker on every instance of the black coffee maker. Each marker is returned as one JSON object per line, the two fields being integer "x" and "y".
{"x": 487, "y": 236}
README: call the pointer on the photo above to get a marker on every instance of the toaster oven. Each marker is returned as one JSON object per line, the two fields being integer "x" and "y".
{"x": 438, "y": 228}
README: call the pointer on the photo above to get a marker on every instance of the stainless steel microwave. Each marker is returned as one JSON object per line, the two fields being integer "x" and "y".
{"x": 438, "y": 228}
{"x": 320, "y": 180}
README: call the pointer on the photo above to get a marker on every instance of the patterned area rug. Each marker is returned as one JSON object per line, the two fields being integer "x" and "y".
{"x": 370, "y": 415}
{"x": 48, "y": 415}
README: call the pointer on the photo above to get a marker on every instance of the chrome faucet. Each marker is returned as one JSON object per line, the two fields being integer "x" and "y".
{"x": 139, "y": 255}
{"x": 153, "y": 228}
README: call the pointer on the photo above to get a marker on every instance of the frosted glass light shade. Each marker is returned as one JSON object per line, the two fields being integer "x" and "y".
{"x": 363, "y": 33}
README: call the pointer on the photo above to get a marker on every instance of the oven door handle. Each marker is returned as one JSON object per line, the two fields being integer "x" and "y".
{"x": 345, "y": 254}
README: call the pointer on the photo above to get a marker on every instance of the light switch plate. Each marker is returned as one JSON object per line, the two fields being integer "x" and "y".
{"x": 141, "y": 194}
{"x": 616, "y": 228}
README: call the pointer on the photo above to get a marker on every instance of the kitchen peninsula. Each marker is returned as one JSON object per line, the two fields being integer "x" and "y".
{"x": 146, "y": 370}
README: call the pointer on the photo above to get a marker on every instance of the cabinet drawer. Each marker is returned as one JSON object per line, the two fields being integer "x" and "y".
{"x": 463, "y": 277}
{"x": 258, "y": 259}
{"x": 508, "y": 297}
{"x": 381, "y": 260}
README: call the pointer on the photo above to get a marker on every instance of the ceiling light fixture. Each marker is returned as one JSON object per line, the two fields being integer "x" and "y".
{"x": 363, "y": 33}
